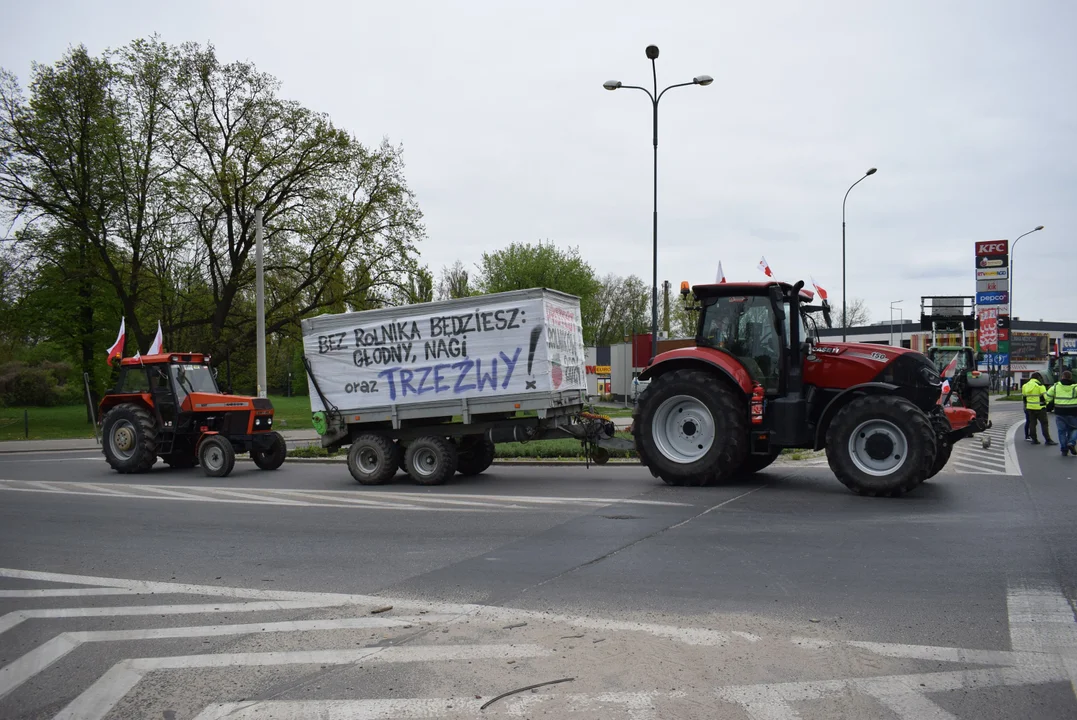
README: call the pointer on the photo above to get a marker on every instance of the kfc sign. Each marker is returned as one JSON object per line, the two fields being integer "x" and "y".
{"x": 994, "y": 247}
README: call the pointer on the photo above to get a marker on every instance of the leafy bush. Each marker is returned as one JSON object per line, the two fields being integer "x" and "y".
{"x": 44, "y": 385}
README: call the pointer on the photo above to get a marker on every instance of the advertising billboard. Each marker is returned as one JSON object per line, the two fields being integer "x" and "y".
{"x": 996, "y": 274}
{"x": 986, "y": 262}
{"x": 993, "y": 247}
{"x": 992, "y": 298}
{"x": 1029, "y": 346}
{"x": 992, "y": 286}
{"x": 987, "y": 337}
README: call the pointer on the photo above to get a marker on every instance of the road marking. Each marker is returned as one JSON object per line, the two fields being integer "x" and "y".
{"x": 97, "y": 700}
{"x": 15, "y": 618}
{"x": 63, "y": 592}
{"x": 19, "y": 671}
{"x": 406, "y": 501}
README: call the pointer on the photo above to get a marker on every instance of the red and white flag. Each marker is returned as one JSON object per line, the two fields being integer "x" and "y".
{"x": 819, "y": 291}
{"x": 951, "y": 366}
{"x": 764, "y": 268}
{"x": 157, "y": 346}
{"x": 721, "y": 275}
{"x": 116, "y": 351}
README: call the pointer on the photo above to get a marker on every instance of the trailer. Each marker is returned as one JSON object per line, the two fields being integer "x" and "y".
{"x": 431, "y": 388}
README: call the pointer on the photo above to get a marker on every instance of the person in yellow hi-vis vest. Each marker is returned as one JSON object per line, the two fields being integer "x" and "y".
{"x": 1036, "y": 401}
{"x": 1063, "y": 396}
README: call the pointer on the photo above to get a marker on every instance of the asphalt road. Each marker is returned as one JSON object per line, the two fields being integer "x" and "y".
{"x": 782, "y": 597}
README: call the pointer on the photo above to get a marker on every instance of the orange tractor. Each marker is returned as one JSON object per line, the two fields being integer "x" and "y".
{"x": 169, "y": 406}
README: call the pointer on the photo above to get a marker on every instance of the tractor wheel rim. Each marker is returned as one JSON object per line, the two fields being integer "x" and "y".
{"x": 214, "y": 459}
{"x": 367, "y": 460}
{"x": 683, "y": 429}
{"x": 425, "y": 461}
{"x": 122, "y": 439}
{"x": 878, "y": 447}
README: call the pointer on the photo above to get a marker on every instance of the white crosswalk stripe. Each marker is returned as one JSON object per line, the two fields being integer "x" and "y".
{"x": 970, "y": 457}
{"x": 373, "y": 500}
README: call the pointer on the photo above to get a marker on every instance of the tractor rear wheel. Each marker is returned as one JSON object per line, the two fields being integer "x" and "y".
{"x": 373, "y": 459}
{"x": 431, "y": 460}
{"x": 475, "y": 455}
{"x": 272, "y": 458}
{"x": 130, "y": 438}
{"x": 941, "y": 458}
{"x": 980, "y": 401}
{"x": 881, "y": 445}
{"x": 691, "y": 429}
{"x": 216, "y": 456}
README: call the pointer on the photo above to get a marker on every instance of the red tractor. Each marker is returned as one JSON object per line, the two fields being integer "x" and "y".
{"x": 758, "y": 380}
{"x": 169, "y": 406}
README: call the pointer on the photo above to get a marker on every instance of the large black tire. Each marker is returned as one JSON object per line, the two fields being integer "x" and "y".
{"x": 272, "y": 458}
{"x": 691, "y": 428}
{"x": 755, "y": 463}
{"x": 980, "y": 401}
{"x": 373, "y": 459}
{"x": 475, "y": 455}
{"x": 863, "y": 445}
{"x": 129, "y": 438}
{"x": 216, "y": 456}
{"x": 942, "y": 456}
{"x": 431, "y": 460}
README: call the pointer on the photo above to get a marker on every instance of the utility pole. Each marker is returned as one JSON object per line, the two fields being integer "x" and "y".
{"x": 260, "y": 302}
{"x": 665, "y": 287}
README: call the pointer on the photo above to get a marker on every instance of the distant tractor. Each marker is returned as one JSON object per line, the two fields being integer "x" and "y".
{"x": 169, "y": 406}
{"x": 954, "y": 316}
{"x": 758, "y": 380}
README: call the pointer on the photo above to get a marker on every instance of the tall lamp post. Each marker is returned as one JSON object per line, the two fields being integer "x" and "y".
{"x": 844, "y": 312}
{"x": 892, "y": 320}
{"x": 702, "y": 80}
{"x": 1012, "y": 249}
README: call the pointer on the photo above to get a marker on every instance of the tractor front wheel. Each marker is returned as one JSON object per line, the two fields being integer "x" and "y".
{"x": 130, "y": 438}
{"x": 881, "y": 445}
{"x": 216, "y": 456}
{"x": 691, "y": 429}
{"x": 273, "y": 457}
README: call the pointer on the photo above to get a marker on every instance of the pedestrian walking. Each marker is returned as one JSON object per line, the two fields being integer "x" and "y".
{"x": 1028, "y": 419}
{"x": 1035, "y": 395}
{"x": 1062, "y": 397}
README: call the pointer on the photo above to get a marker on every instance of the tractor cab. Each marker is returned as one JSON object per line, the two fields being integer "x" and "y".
{"x": 169, "y": 406}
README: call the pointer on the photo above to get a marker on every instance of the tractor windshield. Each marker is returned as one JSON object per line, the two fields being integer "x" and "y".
{"x": 744, "y": 327}
{"x": 191, "y": 379}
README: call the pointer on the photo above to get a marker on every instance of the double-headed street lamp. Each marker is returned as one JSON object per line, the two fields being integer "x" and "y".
{"x": 702, "y": 80}
{"x": 1012, "y": 248}
{"x": 844, "y": 311}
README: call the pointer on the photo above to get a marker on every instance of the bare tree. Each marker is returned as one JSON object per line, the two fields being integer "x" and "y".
{"x": 857, "y": 311}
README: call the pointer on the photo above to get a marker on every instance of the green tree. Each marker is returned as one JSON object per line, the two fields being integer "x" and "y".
{"x": 454, "y": 282}
{"x": 544, "y": 265}
{"x": 624, "y": 303}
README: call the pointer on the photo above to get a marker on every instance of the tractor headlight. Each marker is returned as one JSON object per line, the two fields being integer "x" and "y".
{"x": 931, "y": 375}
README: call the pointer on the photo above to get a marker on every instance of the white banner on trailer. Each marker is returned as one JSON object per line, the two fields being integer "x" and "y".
{"x": 507, "y": 346}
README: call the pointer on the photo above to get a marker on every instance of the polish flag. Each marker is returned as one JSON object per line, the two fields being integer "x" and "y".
{"x": 116, "y": 351}
{"x": 951, "y": 366}
{"x": 764, "y": 268}
{"x": 721, "y": 274}
{"x": 819, "y": 291}
{"x": 157, "y": 346}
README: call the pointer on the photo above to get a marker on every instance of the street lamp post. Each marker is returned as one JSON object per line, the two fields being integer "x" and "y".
{"x": 702, "y": 80}
{"x": 1012, "y": 249}
{"x": 892, "y": 319}
{"x": 844, "y": 311}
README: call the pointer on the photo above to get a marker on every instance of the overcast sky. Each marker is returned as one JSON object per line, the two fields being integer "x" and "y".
{"x": 968, "y": 109}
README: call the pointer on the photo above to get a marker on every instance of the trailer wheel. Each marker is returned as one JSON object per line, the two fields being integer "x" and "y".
{"x": 373, "y": 459}
{"x": 216, "y": 456}
{"x": 691, "y": 429}
{"x": 431, "y": 460}
{"x": 755, "y": 463}
{"x": 980, "y": 401}
{"x": 475, "y": 455}
{"x": 272, "y": 458}
{"x": 881, "y": 445}
{"x": 129, "y": 438}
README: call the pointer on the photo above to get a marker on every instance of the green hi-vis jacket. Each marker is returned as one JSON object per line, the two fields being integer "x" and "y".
{"x": 1034, "y": 392}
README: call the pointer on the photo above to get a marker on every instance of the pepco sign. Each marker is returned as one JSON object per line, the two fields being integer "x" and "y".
{"x": 993, "y": 247}
{"x": 992, "y": 298}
